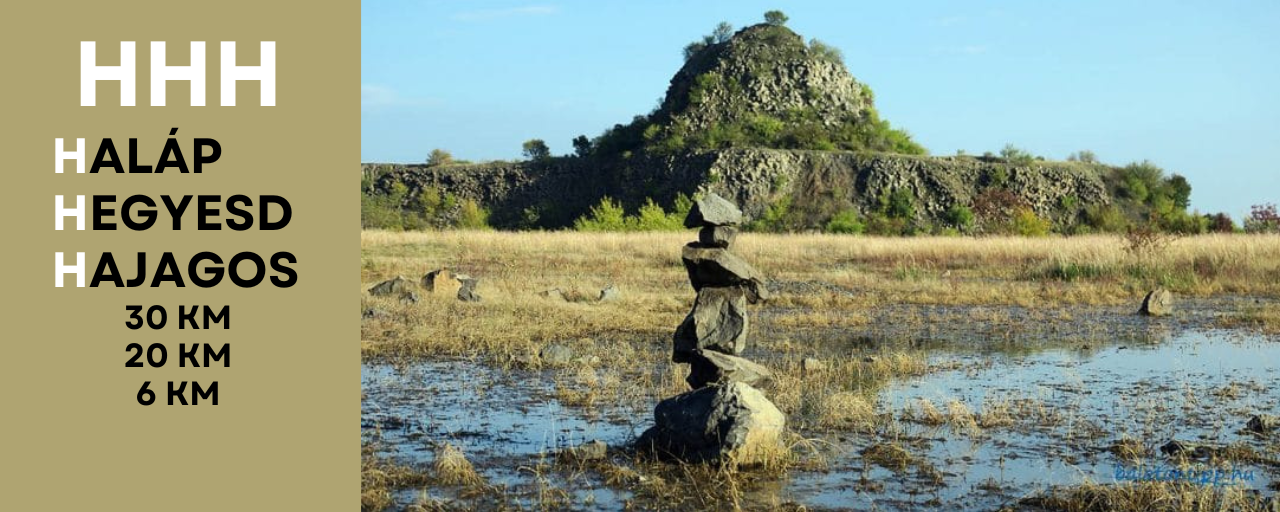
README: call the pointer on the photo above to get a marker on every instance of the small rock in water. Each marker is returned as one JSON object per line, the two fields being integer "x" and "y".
{"x": 610, "y": 293}
{"x": 1157, "y": 303}
{"x": 408, "y": 298}
{"x": 594, "y": 450}
{"x": 1264, "y": 424}
{"x": 1188, "y": 449}
{"x": 709, "y": 367}
{"x": 717, "y": 236}
{"x": 391, "y": 287}
{"x": 729, "y": 422}
{"x": 813, "y": 365}
{"x": 712, "y": 210}
{"x": 553, "y": 294}
{"x": 431, "y": 278}
{"x": 556, "y": 354}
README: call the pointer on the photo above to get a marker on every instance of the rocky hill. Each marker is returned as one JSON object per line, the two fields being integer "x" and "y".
{"x": 816, "y": 184}
{"x": 780, "y": 127}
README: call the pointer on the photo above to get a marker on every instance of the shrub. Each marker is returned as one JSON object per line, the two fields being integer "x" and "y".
{"x": 1263, "y": 218}
{"x": 1027, "y": 223}
{"x": 845, "y": 222}
{"x": 775, "y": 18}
{"x": 1016, "y": 156}
{"x": 1083, "y": 156}
{"x": 1106, "y": 218}
{"x": 826, "y": 52}
{"x": 960, "y": 217}
{"x": 652, "y": 217}
{"x": 605, "y": 216}
{"x": 439, "y": 157}
{"x": 472, "y": 216}
{"x": 899, "y": 204}
{"x": 1220, "y": 223}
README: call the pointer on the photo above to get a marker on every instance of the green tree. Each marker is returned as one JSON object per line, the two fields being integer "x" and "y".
{"x": 826, "y": 52}
{"x": 439, "y": 157}
{"x": 581, "y": 146}
{"x": 536, "y": 149}
{"x": 775, "y": 18}
{"x": 722, "y": 33}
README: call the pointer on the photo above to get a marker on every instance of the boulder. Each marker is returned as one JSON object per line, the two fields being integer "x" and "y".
{"x": 717, "y": 236}
{"x": 712, "y": 210}
{"x": 467, "y": 292}
{"x": 716, "y": 266}
{"x": 431, "y": 278}
{"x": 710, "y": 367}
{"x": 373, "y": 313}
{"x": 732, "y": 423}
{"x": 1263, "y": 424}
{"x": 610, "y": 293}
{"x": 718, "y": 322}
{"x": 1188, "y": 449}
{"x": 556, "y": 354}
{"x": 1157, "y": 303}
{"x": 390, "y": 287}
{"x": 408, "y": 298}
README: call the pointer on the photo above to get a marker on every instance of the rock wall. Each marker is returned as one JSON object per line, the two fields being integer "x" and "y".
{"x": 551, "y": 194}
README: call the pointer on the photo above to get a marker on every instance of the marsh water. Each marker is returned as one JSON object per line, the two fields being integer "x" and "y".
{"x": 1065, "y": 405}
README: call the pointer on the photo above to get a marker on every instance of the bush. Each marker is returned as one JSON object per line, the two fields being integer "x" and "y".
{"x": 826, "y": 52}
{"x": 439, "y": 157}
{"x": 472, "y": 216}
{"x": 605, "y": 216}
{"x": 1106, "y": 218}
{"x": 1263, "y": 218}
{"x": 581, "y": 146}
{"x": 845, "y": 222}
{"x": 609, "y": 215}
{"x": 1083, "y": 156}
{"x": 775, "y": 18}
{"x": 960, "y": 217}
{"x": 1016, "y": 156}
{"x": 1220, "y": 223}
{"x": 1027, "y": 223}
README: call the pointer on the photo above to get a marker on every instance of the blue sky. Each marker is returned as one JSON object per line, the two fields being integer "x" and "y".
{"x": 1194, "y": 87}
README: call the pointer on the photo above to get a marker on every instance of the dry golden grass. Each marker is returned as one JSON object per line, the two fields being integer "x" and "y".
{"x": 453, "y": 468}
{"x": 1164, "y": 496}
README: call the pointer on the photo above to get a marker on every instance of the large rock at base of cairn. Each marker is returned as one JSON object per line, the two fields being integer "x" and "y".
{"x": 733, "y": 422}
{"x": 716, "y": 266}
{"x": 395, "y": 286}
{"x": 712, "y": 210}
{"x": 710, "y": 367}
{"x": 718, "y": 322}
{"x": 1157, "y": 303}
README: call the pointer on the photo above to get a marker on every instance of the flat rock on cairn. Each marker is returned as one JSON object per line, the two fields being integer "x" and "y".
{"x": 724, "y": 418}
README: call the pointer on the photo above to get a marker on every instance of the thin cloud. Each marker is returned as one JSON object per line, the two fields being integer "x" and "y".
{"x": 374, "y": 96}
{"x": 972, "y": 49}
{"x": 949, "y": 21}
{"x": 493, "y": 14}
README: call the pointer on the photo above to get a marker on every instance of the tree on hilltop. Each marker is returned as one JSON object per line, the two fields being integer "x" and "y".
{"x": 775, "y": 18}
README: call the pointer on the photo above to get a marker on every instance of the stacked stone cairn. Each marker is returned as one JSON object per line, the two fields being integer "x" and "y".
{"x": 725, "y": 417}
